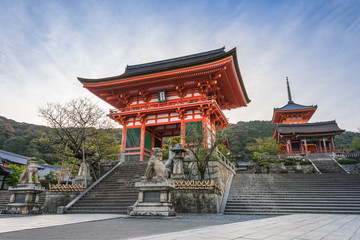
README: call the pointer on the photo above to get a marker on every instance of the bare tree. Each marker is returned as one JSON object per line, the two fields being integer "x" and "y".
{"x": 74, "y": 123}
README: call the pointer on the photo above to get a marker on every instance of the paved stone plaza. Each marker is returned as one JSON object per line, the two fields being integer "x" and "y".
{"x": 187, "y": 226}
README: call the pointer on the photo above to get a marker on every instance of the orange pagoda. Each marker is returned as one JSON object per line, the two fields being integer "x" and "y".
{"x": 169, "y": 97}
{"x": 297, "y": 135}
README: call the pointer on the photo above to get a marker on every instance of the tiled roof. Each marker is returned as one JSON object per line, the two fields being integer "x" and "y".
{"x": 21, "y": 160}
{"x": 12, "y": 157}
{"x": 294, "y": 106}
{"x": 304, "y": 128}
{"x": 168, "y": 64}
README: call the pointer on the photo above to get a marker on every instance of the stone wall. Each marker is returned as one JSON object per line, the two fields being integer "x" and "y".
{"x": 54, "y": 200}
{"x": 217, "y": 171}
{"x": 351, "y": 168}
{"x": 203, "y": 201}
{"x": 276, "y": 169}
{"x": 196, "y": 201}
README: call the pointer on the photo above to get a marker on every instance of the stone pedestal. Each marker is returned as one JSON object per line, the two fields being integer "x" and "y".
{"x": 154, "y": 199}
{"x": 24, "y": 199}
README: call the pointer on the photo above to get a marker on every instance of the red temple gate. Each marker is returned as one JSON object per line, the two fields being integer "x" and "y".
{"x": 171, "y": 98}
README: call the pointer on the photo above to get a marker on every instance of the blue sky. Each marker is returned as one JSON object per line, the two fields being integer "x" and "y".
{"x": 45, "y": 45}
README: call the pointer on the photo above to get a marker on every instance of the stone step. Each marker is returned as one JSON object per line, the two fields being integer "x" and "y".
{"x": 108, "y": 205}
{"x": 257, "y": 193}
{"x": 108, "y": 194}
{"x": 292, "y": 204}
{"x": 286, "y": 194}
{"x": 95, "y": 211}
{"x": 114, "y": 194}
{"x": 293, "y": 211}
{"x": 297, "y": 198}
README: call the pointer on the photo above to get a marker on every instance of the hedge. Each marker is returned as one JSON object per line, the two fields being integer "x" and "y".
{"x": 348, "y": 161}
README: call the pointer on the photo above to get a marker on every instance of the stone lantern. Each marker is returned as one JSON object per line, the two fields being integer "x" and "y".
{"x": 178, "y": 162}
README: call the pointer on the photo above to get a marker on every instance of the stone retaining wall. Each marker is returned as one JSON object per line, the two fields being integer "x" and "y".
{"x": 54, "y": 200}
{"x": 351, "y": 168}
{"x": 276, "y": 168}
{"x": 203, "y": 201}
{"x": 196, "y": 201}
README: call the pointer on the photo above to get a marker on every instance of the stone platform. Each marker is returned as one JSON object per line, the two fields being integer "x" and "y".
{"x": 154, "y": 199}
{"x": 24, "y": 199}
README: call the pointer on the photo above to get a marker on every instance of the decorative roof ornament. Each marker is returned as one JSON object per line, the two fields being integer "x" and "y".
{"x": 288, "y": 89}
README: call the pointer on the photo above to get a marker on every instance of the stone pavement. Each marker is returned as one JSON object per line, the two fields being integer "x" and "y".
{"x": 297, "y": 227}
{"x": 113, "y": 226}
{"x": 17, "y": 223}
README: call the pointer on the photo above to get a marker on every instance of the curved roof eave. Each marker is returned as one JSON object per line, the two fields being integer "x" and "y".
{"x": 294, "y": 106}
{"x": 217, "y": 54}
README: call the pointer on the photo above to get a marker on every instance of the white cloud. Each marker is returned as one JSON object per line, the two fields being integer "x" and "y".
{"x": 45, "y": 46}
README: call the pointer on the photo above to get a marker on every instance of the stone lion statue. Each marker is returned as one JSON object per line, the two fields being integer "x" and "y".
{"x": 30, "y": 172}
{"x": 157, "y": 167}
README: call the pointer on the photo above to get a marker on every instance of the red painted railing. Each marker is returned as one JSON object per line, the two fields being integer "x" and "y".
{"x": 157, "y": 105}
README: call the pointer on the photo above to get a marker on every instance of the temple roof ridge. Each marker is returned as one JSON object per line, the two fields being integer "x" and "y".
{"x": 305, "y": 124}
{"x": 211, "y": 52}
{"x": 294, "y": 106}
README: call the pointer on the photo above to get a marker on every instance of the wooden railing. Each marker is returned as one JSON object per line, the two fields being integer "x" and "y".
{"x": 66, "y": 187}
{"x": 157, "y": 105}
{"x": 194, "y": 185}
{"x": 351, "y": 155}
{"x": 297, "y": 156}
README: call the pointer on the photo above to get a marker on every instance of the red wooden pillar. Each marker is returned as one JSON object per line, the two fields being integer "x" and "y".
{"x": 123, "y": 139}
{"x": 290, "y": 147}
{"x": 301, "y": 146}
{"x": 332, "y": 144}
{"x": 142, "y": 142}
{"x": 153, "y": 140}
{"x": 204, "y": 131}
{"x": 319, "y": 144}
{"x": 287, "y": 147}
{"x": 325, "y": 149}
{"x": 182, "y": 132}
{"x": 306, "y": 148}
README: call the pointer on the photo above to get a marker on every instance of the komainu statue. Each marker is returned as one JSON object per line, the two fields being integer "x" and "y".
{"x": 157, "y": 167}
{"x": 30, "y": 172}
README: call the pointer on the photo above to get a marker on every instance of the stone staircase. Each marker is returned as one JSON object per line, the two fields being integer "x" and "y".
{"x": 328, "y": 166}
{"x": 294, "y": 193}
{"x": 4, "y": 198}
{"x": 115, "y": 193}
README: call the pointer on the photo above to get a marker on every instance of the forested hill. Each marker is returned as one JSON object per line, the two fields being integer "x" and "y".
{"x": 33, "y": 140}
{"x": 26, "y": 139}
{"x": 244, "y": 133}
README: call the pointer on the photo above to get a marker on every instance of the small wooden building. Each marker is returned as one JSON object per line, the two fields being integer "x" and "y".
{"x": 297, "y": 135}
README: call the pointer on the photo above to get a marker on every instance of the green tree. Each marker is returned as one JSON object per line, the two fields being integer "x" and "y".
{"x": 200, "y": 149}
{"x": 355, "y": 143}
{"x": 16, "y": 145}
{"x": 13, "y": 179}
{"x": 171, "y": 142}
{"x": 266, "y": 145}
{"x": 102, "y": 146}
{"x": 242, "y": 134}
{"x": 50, "y": 177}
